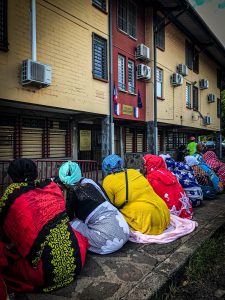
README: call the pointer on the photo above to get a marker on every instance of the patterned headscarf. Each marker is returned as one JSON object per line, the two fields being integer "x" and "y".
{"x": 70, "y": 173}
{"x": 22, "y": 170}
{"x": 112, "y": 164}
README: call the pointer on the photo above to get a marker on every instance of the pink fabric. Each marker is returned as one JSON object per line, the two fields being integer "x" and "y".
{"x": 178, "y": 227}
{"x": 167, "y": 187}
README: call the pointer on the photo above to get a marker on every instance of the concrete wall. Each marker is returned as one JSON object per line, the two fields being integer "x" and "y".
{"x": 172, "y": 109}
{"x": 64, "y": 40}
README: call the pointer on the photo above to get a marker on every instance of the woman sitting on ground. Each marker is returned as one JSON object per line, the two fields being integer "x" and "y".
{"x": 215, "y": 164}
{"x": 202, "y": 178}
{"x": 41, "y": 249}
{"x": 91, "y": 213}
{"x": 165, "y": 184}
{"x": 217, "y": 183}
{"x": 186, "y": 178}
{"x": 131, "y": 193}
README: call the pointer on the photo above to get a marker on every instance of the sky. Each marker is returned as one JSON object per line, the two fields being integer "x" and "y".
{"x": 213, "y": 13}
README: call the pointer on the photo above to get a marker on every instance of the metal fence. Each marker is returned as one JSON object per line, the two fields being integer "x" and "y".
{"x": 48, "y": 169}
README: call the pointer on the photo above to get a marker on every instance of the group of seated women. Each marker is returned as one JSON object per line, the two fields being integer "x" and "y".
{"x": 48, "y": 225}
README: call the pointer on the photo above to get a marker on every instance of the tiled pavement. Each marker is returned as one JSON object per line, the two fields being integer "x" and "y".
{"x": 138, "y": 271}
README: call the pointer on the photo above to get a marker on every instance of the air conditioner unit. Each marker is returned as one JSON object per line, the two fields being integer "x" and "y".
{"x": 176, "y": 79}
{"x": 35, "y": 73}
{"x": 143, "y": 72}
{"x": 182, "y": 69}
{"x": 211, "y": 98}
{"x": 206, "y": 120}
{"x": 142, "y": 52}
{"x": 203, "y": 84}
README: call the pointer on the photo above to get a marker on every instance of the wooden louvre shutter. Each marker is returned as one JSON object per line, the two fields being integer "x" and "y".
{"x": 31, "y": 142}
{"x": 129, "y": 141}
{"x": 140, "y": 142}
{"x": 7, "y": 142}
{"x": 57, "y": 140}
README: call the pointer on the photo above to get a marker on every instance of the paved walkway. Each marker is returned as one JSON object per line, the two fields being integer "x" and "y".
{"x": 138, "y": 271}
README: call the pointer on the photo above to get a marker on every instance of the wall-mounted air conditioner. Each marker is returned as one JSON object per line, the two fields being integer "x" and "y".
{"x": 176, "y": 79}
{"x": 142, "y": 52}
{"x": 206, "y": 120}
{"x": 203, "y": 84}
{"x": 182, "y": 69}
{"x": 211, "y": 98}
{"x": 143, "y": 72}
{"x": 35, "y": 73}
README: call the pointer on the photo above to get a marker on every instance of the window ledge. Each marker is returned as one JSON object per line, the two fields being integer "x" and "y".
{"x": 132, "y": 94}
{"x": 188, "y": 107}
{"x": 99, "y": 8}
{"x": 160, "y": 48}
{"x": 160, "y": 98}
{"x": 122, "y": 91}
{"x": 100, "y": 79}
{"x": 125, "y": 33}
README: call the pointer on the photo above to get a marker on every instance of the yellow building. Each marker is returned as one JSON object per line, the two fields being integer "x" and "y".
{"x": 188, "y": 60}
{"x": 65, "y": 118}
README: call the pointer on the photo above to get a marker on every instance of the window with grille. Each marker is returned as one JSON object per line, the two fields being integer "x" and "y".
{"x": 100, "y": 4}
{"x": 195, "y": 98}
{"x": 100, "y": 66}
{"x": 3, "y": 25}
{"x": 131, "y": 87}
{"x": 159, "y": 82}
{"x": 127, "y": 17}
{"x": 218, "y": 108}
{"x": 121, "y": 73}
{"x": 188, "y": 95}
{"x": 191, "y": 57}
{"x": 160, "y": 34}
{"x": 196, "y": 61}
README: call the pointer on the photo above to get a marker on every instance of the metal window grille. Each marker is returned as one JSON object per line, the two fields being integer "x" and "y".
{"x": 122, "y": 15}
{"x": 195, "y": 98}
{"x": 131, "y": 87}
{"x": 159, "y": 82}
{"x": 188, "y": 95}
{"x": 100, "y": 3}
{"x": 121, "y": 73}
{"x": 189, "y": 54}
{"x": 132, "y": 19}
{"x": 160, "y": 34}
{"x": 218, "y": 108}
{"x": 196, "y": 61}
{"x": 3, "y": 25}
{"x": 100, "y": 66}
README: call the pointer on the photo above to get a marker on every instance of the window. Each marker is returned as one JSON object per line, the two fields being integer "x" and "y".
{"x": 131, "y": 87}
{"x": 218, "y": 108}
{"x": 3, "y": 25}
{"x": 121, "y": 73}
{"x": 135, "y": 140}
{"x": 160, "y": 34}
{"x": 100, "y": 4}
{"x": 127, "y": 17}
{"x": 218, "y": 79}
{"x": 191, "y": 57}
{"x": 159, "y": 82}
{"x": 195, "y": 98}
{"x": 188, "y": 95}
{"x": 100, "y": 68}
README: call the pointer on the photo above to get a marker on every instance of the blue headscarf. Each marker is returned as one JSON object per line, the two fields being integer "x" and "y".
{"x": 112, "y": 164}
{"x": 70, "y": 173}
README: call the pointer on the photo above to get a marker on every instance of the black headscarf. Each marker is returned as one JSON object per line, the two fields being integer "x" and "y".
{"x": 22, "y": 170}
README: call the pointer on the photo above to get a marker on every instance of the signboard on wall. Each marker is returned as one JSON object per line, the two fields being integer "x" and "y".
{"x": 127, "y": 110}
{"x": 85, "y": 140}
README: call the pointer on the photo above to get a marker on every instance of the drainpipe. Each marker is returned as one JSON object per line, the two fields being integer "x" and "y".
{"x": 155, "y": 125}
{"x": 111, "y": 104}
{"x": 33, "y": 30}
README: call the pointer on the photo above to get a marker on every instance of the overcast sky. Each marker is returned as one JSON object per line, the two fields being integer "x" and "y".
{"x": 213, "y": 13}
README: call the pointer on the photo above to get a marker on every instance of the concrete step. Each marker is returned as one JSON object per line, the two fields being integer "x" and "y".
{"x": 140, "y": 271}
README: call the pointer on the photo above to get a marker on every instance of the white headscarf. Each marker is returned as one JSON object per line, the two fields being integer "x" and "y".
{"x": 165, "y": 156}
{"x": 191, "y": 160}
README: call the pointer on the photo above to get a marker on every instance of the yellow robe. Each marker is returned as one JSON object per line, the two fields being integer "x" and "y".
{"x": 145, "y": 211}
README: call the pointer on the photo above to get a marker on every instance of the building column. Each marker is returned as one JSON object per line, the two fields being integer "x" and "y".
{"x": 105, "y": 137}
{"x": 218, "y": 136}
{"x": 150, "y": 137}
